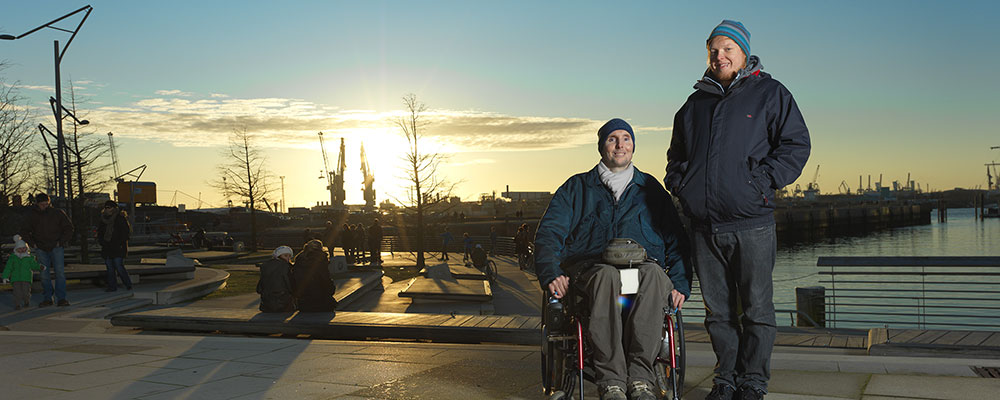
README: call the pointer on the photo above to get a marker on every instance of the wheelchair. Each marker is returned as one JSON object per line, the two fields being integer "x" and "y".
{"x": 567, "y": 354}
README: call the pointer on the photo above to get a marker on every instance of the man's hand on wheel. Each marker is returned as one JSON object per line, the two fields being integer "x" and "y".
{"x": 676, "y": 299}
{"x": 559, "y": 286}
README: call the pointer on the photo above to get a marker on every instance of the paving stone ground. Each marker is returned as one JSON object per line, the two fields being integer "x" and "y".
{"x": 42, "y": 365}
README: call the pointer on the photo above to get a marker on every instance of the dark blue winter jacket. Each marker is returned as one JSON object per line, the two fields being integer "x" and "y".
{"x": 732, "y": 147}
{"x": 583, "y": 216}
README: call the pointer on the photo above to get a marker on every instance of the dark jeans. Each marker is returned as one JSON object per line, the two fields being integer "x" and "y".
{"x": 625, "y": 349}
{"x": 734, "y": 270}
{"x": 116, "y": 266}
{"x": 54, "y": 261}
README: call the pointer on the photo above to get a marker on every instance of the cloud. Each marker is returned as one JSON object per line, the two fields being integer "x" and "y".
{"x": 293, "y": 123}
{"x": 173, "y": 92}
{"x": 474, "y": 162}
{"x": 38, "y": 87}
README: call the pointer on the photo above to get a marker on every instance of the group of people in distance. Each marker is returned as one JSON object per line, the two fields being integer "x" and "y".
{"x": 301, "y": 282}
{"x": 48, "y": 230}
{"x": 737, "y": 138}
{"x": 361, "y": 244}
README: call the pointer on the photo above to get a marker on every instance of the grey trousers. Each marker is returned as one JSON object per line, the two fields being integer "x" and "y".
{"x": 22, "y": 292}
{"x": 734, "y": 268}
{"x": 625, "y": 351}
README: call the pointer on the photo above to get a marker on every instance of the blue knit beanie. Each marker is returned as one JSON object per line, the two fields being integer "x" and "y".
{"x": 736, "y": 31}
{"x": 611, "y": 126}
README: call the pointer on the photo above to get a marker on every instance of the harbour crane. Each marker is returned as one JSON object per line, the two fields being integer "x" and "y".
{"x": 338, "y": 179}
{"x": 326, "y": 168}
{"x": 813, "y": 185}
{"x": 334, "y": 179}
{"x": 368, "y": 180}
{"x": 844, "y": 189}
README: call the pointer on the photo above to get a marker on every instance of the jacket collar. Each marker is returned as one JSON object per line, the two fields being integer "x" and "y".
{"x": 710, "y": 85}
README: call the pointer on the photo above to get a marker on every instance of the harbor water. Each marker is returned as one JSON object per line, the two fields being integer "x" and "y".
{"x": 962, "y": 235}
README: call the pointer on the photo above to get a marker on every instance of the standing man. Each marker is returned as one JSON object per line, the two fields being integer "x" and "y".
{"x": 446, "y": 238}
{"x": 615, "y": 200}
{"x": 493, "y": 241}
{"x": 375, "y": 242}
{"x": 49, "y": 230}
{"x": 738, "y": 137}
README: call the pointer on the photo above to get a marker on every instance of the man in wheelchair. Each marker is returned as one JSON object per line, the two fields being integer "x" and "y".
{"x": 615, "y": 200}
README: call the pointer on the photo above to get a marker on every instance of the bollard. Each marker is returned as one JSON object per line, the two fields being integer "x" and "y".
{"x": 811, "y": 301}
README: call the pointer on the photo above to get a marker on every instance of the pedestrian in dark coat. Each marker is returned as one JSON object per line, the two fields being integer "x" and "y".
{"x": 275, "y": 284}
{"x": 313, "y": 286}
{"x": 48, "y": 230}
{"x": 113, "y": 232}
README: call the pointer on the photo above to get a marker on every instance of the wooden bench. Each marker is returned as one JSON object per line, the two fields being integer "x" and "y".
{"x": 343, "y": 325}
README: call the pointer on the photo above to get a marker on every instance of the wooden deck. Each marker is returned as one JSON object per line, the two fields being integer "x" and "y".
{"x": 933, "y": 342}
{"x": 343, "y": 325}
{"x": 796, "y": 337}
{"x": 446, "y": 328}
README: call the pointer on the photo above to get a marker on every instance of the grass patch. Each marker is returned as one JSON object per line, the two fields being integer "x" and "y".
{"x": 239, "y": 282}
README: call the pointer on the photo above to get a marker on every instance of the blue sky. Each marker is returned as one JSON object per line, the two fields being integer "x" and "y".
{"x": 518, "y": 88}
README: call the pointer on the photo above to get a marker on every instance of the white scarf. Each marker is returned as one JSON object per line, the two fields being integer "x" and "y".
{"x": 616, "y": 181}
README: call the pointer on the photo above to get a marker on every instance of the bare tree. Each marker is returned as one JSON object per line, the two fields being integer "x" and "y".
{"x": 244, "y": 175}
{"x": 427, "y": 187}
{"x": 15, "y": 141}
{"x": 16, "y": 153}
{"x": 84, "y": 168}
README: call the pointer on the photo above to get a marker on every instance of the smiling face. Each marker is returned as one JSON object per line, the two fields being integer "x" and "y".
{"x": 725, "y": 58}
{"x": 616, "y": 151}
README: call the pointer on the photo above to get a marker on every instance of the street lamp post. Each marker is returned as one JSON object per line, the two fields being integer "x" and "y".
{"x": 60, "y": 139}
{"x": 283, "y": 207}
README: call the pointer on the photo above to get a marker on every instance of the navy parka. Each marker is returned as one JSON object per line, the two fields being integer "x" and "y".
{"x": 732, "y": 147}
{"x": 583, "y": 216}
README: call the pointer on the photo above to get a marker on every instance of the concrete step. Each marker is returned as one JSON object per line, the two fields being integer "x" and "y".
{"x": 354, "y": 284}
{"x": 206, "y": 280}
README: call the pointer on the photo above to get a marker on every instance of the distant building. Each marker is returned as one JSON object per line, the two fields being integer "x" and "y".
{"x": 527, "y": 196}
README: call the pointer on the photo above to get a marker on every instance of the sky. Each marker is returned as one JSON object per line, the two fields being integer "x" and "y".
{"x": 515, "y": 90}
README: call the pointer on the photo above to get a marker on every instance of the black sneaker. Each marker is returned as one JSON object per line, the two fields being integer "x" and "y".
{"x": 110, "y": 290}
{"x": 45, "y": 303}
{"x": 721, "y": 392}
{"x": 750, "y": 393}
{"x": 63, "y": 303}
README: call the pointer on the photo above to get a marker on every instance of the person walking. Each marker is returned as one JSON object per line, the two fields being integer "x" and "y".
{"x": 49, "y": 230}
{"x": 738, "y": 138}
{"x": 113, "y": 232}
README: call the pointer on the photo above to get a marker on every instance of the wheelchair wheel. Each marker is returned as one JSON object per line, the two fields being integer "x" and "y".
{"x": 670, "y": 378}
{"x": 491, "y": 271}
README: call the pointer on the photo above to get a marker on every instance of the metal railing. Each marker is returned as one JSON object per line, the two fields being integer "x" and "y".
{"x": 912, "y": 291}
